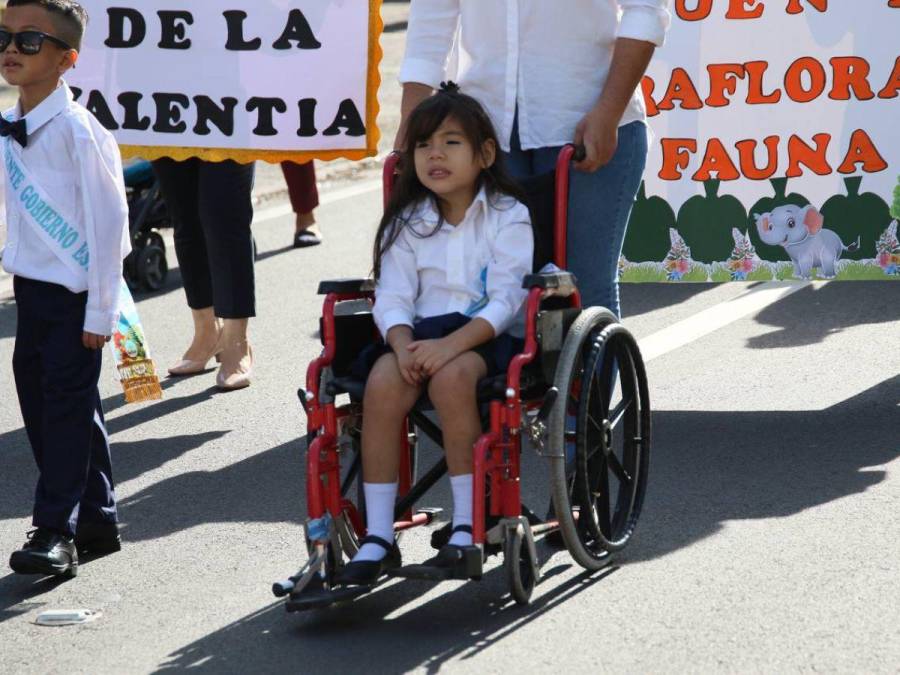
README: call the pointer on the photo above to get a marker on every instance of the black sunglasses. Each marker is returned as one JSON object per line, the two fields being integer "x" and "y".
{"x": 29, "y": 42}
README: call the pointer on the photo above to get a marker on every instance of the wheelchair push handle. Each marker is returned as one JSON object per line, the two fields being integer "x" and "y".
{"x": 579, "y": 153}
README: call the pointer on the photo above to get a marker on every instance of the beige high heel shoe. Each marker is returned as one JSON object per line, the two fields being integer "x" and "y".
{"x": 196, "y": 366}
{"x": 239, "y": 378}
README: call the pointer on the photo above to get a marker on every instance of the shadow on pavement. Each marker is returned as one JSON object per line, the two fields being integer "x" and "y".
{"x": 708, "y": 468}
{"x": 7, "y": 318}
{"x": 130, "y": 460}
{"x": 365, "y": 636}
{"x": 712, "y": 467}
{"x": 637, "y": 299}
{"x": 20, "y": 594}
{"x": 812, "y": 314}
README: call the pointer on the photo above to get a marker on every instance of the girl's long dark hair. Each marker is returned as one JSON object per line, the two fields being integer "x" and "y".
{"x": 408, "y": 190}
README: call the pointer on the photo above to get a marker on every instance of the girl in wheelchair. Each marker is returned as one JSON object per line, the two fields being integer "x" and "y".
{"x": 451, "y": 251}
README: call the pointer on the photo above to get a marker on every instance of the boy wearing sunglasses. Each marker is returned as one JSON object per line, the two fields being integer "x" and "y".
{"x": 67, "y": 222}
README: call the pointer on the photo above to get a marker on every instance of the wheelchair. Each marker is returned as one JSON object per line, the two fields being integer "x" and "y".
{"x": 577, "y": 394}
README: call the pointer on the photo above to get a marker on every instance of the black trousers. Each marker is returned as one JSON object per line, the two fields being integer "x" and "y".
{"x": 56, "y": 380}
{"x": 211, "y": 208}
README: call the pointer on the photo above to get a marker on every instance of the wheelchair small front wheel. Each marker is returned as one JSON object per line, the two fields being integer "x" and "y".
{"x": 602, "y": 426}
{"x": 519, "y": 567}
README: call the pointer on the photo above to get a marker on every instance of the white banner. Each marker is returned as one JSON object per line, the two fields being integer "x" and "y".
{"x": 775, "y": 74}
{"x": 243, "y": 79}
{"x": 763, "y": 105}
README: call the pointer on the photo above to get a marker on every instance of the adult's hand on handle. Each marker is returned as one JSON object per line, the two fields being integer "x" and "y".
{"x": 598, "y": 133}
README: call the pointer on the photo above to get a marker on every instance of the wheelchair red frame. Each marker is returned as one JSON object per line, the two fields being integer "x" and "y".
{"x": 497, "y": 452}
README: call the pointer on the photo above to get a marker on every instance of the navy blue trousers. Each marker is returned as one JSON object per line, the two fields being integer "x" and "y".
{"x": 56, "y": 380}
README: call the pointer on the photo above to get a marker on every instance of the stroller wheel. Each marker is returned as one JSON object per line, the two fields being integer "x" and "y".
{"x": 152, "y": 267}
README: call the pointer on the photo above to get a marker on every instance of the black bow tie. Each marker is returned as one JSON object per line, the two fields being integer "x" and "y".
{"x": 15, "y": 129}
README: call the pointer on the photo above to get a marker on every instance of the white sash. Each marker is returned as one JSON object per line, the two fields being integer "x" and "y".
{"x": 62, "y": 235}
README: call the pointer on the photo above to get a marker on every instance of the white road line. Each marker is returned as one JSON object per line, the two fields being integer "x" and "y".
{"x": 328, "y": 198}
{"x": 712, "y": 319}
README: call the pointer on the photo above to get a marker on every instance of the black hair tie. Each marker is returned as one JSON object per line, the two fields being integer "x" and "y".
{"x": 449, "y": 87}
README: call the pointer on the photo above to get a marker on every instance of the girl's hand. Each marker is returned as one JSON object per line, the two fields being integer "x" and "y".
{"x": 409, "y": 371}
{"x": 92, "y": 341}
{"x": 432, "y": 355}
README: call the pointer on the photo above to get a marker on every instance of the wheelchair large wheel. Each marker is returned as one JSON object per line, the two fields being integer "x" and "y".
{"x": 601, "y": 420}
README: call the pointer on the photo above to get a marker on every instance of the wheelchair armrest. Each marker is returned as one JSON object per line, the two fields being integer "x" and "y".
{"x": 347, "y": 286}
{"x": 552, "y": 283}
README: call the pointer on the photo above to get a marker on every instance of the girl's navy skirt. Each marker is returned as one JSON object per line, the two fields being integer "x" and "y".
{"x": 496, "y": 354}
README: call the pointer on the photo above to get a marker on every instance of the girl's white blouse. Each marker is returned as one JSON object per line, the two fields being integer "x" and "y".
{"x": 475, "y": 268}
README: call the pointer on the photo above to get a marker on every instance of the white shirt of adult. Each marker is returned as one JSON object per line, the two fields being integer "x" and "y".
{"x": 77, "y": 161}
{"x": 475, "y": 268}
{"x": 547, "y": 58}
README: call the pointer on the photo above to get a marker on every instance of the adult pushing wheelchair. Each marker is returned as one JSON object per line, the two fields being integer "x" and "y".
{"x": 577, "y": 394}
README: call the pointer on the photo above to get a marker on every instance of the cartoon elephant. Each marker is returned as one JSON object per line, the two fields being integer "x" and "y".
{"x": 799, "y": 230}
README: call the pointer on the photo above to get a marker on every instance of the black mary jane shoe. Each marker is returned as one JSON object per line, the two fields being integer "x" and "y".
{"x": 440, "y": 538}
{"x": 449, "y": 555}
{"x": 367, "y": 572}
{"x": 97, "y": 539}
{"x": 451, "y": 562}
{"x": 47, "y": 552}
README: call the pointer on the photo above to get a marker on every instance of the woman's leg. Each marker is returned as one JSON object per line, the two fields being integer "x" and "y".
{"x": 226, "y": 212}
{"x": 178, "y": 183}
{"x": 301, "y": 184}
{"x": 599, "y": 207}
{"x": 388, "y": 400}
{"x": 453, "y": 390}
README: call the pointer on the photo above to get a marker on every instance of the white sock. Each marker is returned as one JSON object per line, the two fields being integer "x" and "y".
{"x": 461, "y": 487}
{"x": 380, "y": 498}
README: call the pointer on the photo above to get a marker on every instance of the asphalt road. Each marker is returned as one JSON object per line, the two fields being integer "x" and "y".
{"x": 769, "y": 540}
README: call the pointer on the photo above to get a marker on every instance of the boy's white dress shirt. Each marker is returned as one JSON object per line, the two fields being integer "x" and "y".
{"x": 548, "y": 58}
{"x": 77, "y": 161}
{"x": 475, "y": 268}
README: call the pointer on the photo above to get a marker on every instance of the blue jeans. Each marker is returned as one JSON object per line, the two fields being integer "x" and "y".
{"x": 599, "y": 207}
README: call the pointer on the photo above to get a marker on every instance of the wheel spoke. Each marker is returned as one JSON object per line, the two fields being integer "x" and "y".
{"x": 603, "y": 500}
{"x": 592, "y": 453}
{"x": 618, "y": 469}
{"x": 597, "y": 393}
{"x": 597, "y": 425}
{"x": 616, "y": 415}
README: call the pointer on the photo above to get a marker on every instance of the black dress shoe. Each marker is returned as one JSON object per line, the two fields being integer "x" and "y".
{"x": 96, "y": 539}
{"x": 451, "y": 562}
{"x": 367, "y": 572}
{"x": 46, "y": 552}
{"x": 449, "y": 555}
{"x": 441, "y": 537}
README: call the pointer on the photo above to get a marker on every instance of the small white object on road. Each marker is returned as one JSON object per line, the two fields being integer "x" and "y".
{"x": 67, "y": 617}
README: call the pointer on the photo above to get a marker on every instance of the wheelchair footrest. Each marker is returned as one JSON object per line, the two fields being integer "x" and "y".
{"x": 319, "y": 598}
{"x": 469, "y": 566}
